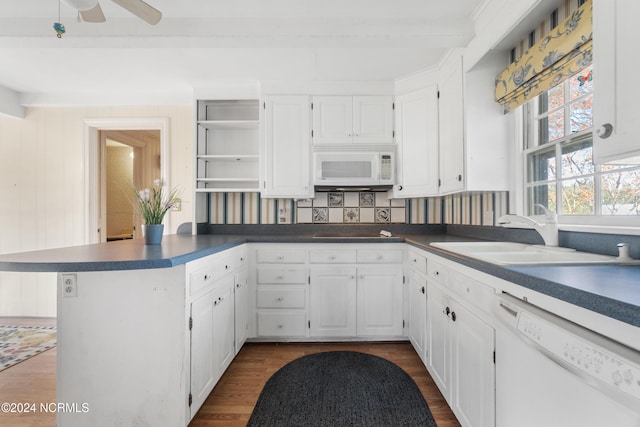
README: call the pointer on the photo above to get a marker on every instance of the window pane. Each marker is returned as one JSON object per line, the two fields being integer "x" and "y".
{"x": 620, "y": 195}
{"x": 542, "y": 194}
{"x": 577, "y": 159}
{"x": 542, "y": 165}
{"x": 581, "y": 84}
{"x": 578, "y": 196}
{"x": 551, "y": 99}
{"x": 581, "y": 114}
{"x": 552, "y": 127}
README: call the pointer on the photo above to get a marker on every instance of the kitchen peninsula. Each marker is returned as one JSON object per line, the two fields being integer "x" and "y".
{"x": 126, "y": 346}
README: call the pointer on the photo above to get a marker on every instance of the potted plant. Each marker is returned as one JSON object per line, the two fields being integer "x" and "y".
{"x": 152, "y": 204}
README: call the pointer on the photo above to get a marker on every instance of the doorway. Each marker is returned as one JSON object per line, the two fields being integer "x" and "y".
{"x": 149, "y": 163}
{"x": 132, "y": 158}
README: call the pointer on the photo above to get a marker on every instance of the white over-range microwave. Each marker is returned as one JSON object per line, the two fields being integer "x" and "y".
{"x": 354, "y": 168}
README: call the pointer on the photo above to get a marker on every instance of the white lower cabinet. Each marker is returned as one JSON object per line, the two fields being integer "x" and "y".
{"x": 212, "y": 338}
{"x": 379, "y": 308}
{"x": 460, "y": 348}
{"x": 332, "y": 302}
{"x": 417, "y": 297}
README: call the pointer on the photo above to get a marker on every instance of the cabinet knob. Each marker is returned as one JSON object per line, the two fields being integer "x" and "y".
{"x": 447, "y": 310}
{"x": 279, "y": 299}
{"x": 226, "y": 267}
{"x": 379, "y": 257}
{"x": 280, "y": 326}
{"x": 453, "y": 316}
{"x": 399, "y": 187}
{"x": 422, "y": 290}
{"x": 605, "y": 131}
{"x": 459, "y": 178}
{"x": 207, "y": 277}
{"x": 280, "y": 258}
{"x": 280, "y": 277}
{"x": 332, "y": 257}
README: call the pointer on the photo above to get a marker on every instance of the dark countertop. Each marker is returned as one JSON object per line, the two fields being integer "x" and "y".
{"x": 613, "y": 291}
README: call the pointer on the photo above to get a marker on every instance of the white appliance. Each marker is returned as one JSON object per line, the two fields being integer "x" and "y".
{"x": 551, "y": 372}
{"x": 354, "y": 168}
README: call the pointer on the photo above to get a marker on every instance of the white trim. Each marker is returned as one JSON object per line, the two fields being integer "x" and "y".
{"x": 583, "y": 228}
{"x": 91, "y": 130}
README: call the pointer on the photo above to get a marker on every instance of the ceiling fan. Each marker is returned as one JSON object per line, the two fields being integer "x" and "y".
{"x": 90, "y": 10}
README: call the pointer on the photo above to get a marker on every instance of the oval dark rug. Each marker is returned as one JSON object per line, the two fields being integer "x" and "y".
{"x": 341, "y": 388}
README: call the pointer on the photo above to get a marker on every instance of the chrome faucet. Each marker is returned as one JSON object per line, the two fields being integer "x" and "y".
{"x": 547, "y": 229}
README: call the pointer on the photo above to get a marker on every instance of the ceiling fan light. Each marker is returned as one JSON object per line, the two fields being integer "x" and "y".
{"x": 82, "y": 4}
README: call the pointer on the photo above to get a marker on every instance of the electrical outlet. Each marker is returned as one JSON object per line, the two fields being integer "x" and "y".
{"x": 69, "y": 285}
{"x": 177, "y": 205}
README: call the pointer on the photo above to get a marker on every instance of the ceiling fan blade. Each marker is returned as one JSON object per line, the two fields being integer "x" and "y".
{"x": 142, "y": 10}
{"x": 93, "y": 15}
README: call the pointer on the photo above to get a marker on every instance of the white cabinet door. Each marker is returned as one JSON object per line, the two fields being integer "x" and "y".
{"x": 418, "y": 313}
{"x": 332, "y": 119}
{"x": 379, "y": 301}
{"x": 332, "y": 296}
{"x": 373, "y": 119}
{"x": 352, "y": 119}
{"x": 451, "y": 119}
{"x": 417, "y": 137}
{"x": 438, "y": 339}
{"x": 241, "y": 303}
{"x": 473, "y": 370}
{"x": 615, "y": 102}
{"x": 287, "y": 141}
{"x": 203, "y": 366}
{"x": 223, "y": 323}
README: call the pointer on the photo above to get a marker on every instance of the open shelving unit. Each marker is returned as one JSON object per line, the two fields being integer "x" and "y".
{"x": 227, "y": 146}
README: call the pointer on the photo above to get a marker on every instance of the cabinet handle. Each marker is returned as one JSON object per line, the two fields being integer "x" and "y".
{"x": 459, "y": 178}
{"x": 605, "y": 131}
{"x": 453, "y": 316}
{"x": 447, "y": 311}
{"x": 422, "y": 290}
{"x": 399, "y": 187}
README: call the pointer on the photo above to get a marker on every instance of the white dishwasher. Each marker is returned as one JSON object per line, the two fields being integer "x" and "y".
{"x": 551, "y": 372}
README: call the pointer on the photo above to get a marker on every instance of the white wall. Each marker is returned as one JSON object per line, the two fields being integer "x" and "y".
{"x": 42, "y": 189}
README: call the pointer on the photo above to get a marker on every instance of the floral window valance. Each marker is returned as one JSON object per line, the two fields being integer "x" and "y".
{"x": 563, "y": 52}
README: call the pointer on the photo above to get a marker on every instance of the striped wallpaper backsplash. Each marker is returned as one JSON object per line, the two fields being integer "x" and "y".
{"x": 464, "y": 209}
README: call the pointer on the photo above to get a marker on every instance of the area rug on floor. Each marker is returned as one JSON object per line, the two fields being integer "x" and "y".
{"x": 341, "y": 388}
{"x": 18, "y": 343}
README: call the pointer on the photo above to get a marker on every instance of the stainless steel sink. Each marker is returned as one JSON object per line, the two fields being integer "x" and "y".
{"x": 511, "y": 253}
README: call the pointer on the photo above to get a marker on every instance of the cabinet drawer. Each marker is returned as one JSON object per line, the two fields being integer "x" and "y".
{"x": 281, "y": 324}
{"x": 474, "y": 292}
{"x": 418, "y": 262}
{"x": 379, "y": 256}
{"x": 437, "y": 272}
{"x": 200, "y": 279}
{"x": 280, "y": 297}
{"x": 329, "y": 256}
{"x": 289, "y": 256}
{"x": 269, "y": 274}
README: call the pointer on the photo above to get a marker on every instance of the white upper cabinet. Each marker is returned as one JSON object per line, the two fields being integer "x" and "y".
{"x": 417, "y": 139}
{"x": 474, "y": 132}
{"x": 451, "y": 109}
{"x": 287, "y": 142}
{"x": 616, "y": 112}
{"x": 352, "y": 119}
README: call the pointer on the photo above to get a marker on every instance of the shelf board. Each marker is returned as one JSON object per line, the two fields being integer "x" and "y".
{"x": 230, "y": 124}
{"x": 229, "y": 190}
{"x": 230, "y": 157}
{"x": 227, "y": 179}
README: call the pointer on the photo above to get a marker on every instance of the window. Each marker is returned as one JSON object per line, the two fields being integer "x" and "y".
{"x": 560, "y": 173}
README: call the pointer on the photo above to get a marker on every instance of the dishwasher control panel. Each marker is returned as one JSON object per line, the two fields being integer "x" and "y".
{"x": 586, "y": 353}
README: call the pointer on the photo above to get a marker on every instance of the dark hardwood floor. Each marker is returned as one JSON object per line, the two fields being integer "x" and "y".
{"x": 232, "y": 400}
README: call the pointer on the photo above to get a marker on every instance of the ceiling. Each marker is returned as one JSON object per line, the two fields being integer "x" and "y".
{"x": 202, "y": 43}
